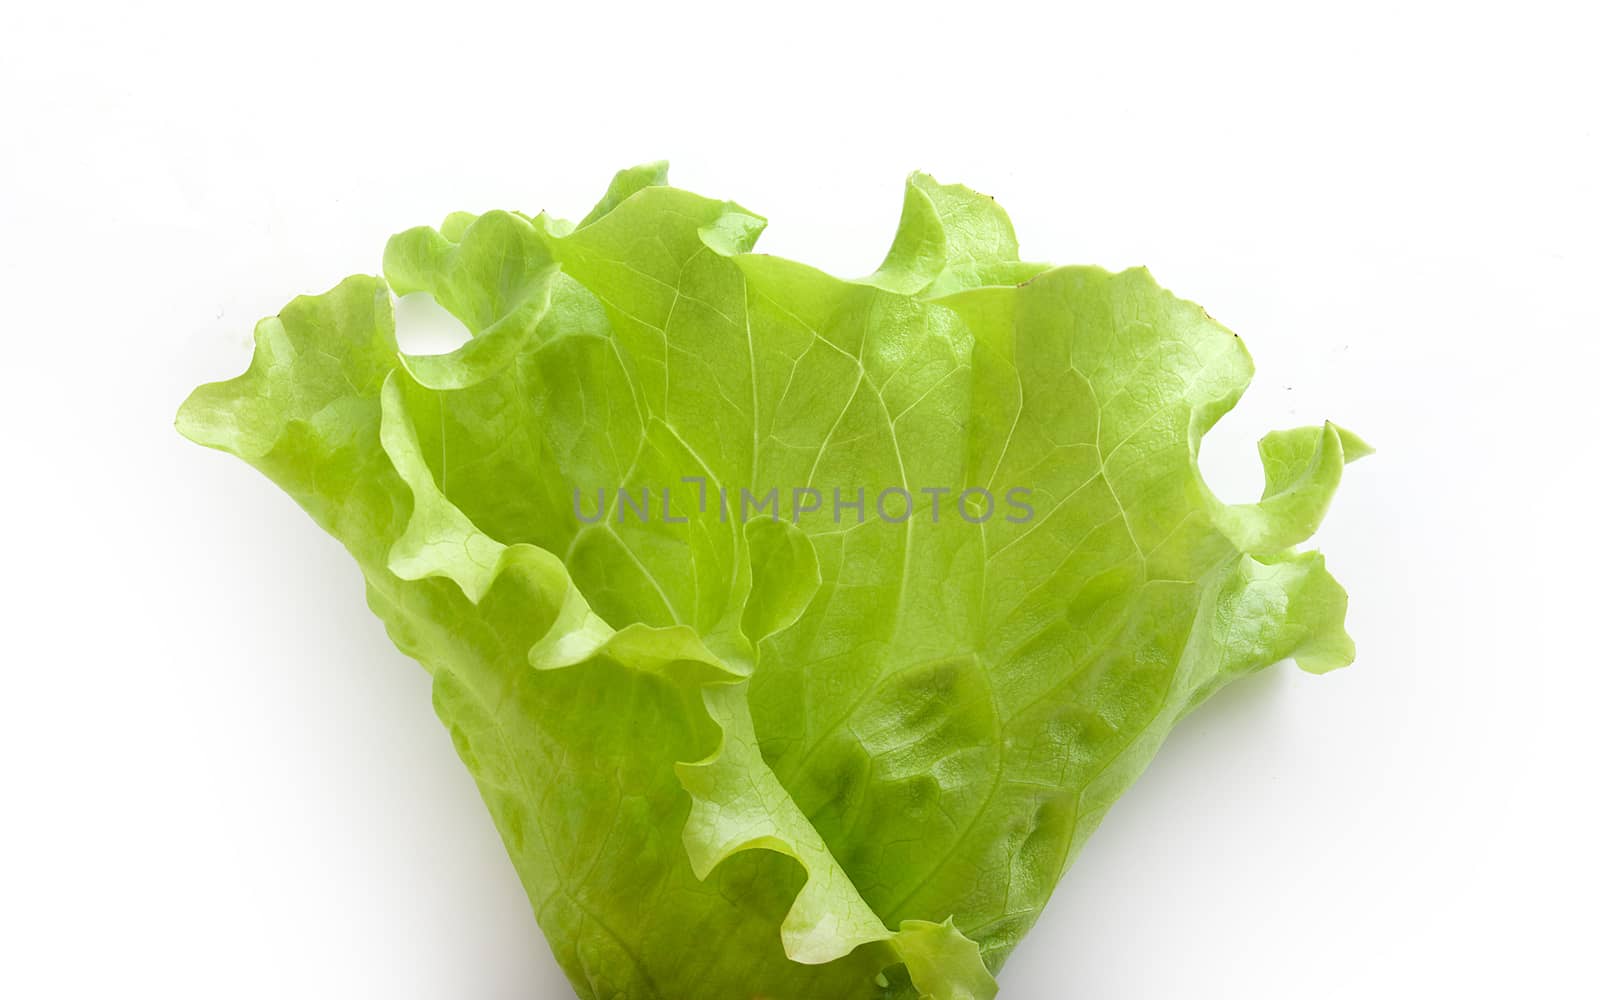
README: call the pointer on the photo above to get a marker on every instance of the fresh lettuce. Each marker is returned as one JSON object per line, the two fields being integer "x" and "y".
{"x": 796, "y": 630}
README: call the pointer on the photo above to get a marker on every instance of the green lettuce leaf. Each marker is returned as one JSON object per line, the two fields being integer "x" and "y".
{"x": 911, "y": 576}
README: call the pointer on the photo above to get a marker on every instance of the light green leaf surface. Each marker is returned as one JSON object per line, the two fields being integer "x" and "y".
{"x": 804, "y": 756}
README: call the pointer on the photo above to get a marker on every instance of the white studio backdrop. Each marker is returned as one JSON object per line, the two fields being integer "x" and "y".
{"x": 221, "y": 780}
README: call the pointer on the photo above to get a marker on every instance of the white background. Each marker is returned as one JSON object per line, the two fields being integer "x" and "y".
{"x": 220, "y": 780}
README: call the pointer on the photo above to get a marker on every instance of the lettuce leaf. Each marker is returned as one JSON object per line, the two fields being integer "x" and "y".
{"x": 846, "y": 751}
